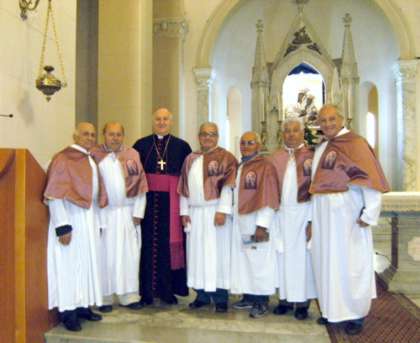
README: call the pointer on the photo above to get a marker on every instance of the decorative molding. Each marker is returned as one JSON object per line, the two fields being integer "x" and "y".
{"x": 171, "y": 27}
{"x": 302, "y": 39}
{"x": 406, "y": 70}
{"x": 400, "y": 202}
{"x": 203, "y": 77}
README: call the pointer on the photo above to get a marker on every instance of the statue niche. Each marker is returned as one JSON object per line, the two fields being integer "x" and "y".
{"x": 301, "y": 47}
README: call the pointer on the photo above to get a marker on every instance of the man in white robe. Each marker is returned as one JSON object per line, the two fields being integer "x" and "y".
{"x": 126, "y": 186}
{"x": 253, "y": 266}
{"x": 205, "y": 186}
{"x": 293, "y": 229}
{"x": 347, "y": 182}
{"x": 73, "y": 193}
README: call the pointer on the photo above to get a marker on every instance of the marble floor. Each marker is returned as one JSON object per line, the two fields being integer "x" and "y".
{"x": 178, "y": 324}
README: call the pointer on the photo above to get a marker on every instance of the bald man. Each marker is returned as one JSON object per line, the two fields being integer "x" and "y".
{"x": 126, "y": 187}
{"x": 347, "y": 182}
{"x": 74, "y": 194}
{"x": 253, "y": 266}
{"x": 162, "y": 266}
{"x": 293, "y": 221}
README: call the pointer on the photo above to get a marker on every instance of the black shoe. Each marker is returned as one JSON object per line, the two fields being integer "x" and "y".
{"x": 138, "y": 305}
{"x": 221, "y": 308}
{"x": 282, "y": 309}
{"x": 353, "y": 328}
{"x": 105, "y": 308}
{"x": 301, "y": 313}
{"x": 72, "y": 325}
{"x": 242, "y": 304}
{"x": 171, "y": 300}
{"x": 197, "y": 304}
{"x": 258, "y": 310}
{"x": 70, "y": 320}
{"x": 146, "y": 301}
{"x": 322, "y": 321}
{"x": 88, "y": 314}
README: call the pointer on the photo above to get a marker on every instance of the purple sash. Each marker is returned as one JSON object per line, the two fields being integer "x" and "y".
{"x": 169, "y": 183}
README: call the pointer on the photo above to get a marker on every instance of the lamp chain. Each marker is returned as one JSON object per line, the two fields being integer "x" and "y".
{"x": 44, "y": 42}
{"x": 57, "y": 44}
{"x": 50, "y": 13}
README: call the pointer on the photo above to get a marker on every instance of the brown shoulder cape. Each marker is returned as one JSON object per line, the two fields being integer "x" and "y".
{"x": 134, "y": 175}
{"x": 219, "y": 170}
{"x": 69, "y": 177}
{"x": 348, "y": 159}
{"x": 258, "y": 186}
{"x": 303, "y": 158}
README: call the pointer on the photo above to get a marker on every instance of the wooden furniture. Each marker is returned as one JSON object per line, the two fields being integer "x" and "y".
{"x": 24, "y": 314}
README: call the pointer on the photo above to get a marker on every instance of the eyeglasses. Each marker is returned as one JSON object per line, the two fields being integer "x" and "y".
{"x": 248, "y": 143}
{"x": 208, "y": 134}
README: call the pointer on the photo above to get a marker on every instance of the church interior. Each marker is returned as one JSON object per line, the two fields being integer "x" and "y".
{"x": 243, "y": 64}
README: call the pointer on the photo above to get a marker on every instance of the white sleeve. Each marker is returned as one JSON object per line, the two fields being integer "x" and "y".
{"x": 265, "y": 217}
{"x": 139, "y": 206}
{"x": 184, "y": 208}
{"x": 225, "y": 201}
{"x": 58, "y": 213}
{"x": 372, "y": 205}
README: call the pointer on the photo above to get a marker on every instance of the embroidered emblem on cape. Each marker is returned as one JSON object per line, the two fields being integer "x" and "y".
{"x": 251, "y": 180}
{"x": 213, "y": 168}
{"x": 329, "y": 162}
{"x": 132, "y": 167}
{"x": 307, "y": 167}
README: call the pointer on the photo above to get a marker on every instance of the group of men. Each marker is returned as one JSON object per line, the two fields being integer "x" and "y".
{"x": 297, "y": 221}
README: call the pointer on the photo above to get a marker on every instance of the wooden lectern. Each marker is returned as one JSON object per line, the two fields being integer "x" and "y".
{"x": 24, "y": 314}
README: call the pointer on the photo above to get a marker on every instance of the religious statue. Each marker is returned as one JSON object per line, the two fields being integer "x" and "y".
{"x": 305, "y": 108}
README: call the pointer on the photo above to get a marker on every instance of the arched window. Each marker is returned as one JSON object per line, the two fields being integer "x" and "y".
{"x": 372, "y": 117}
{"x": 371, "y": 129}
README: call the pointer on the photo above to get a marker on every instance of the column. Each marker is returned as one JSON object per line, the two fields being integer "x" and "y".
{"x": 125, "y": 36}
{"x": 168, "y": 62}
{"x": 204, "y": 79}
{"x": 406, "y": 74}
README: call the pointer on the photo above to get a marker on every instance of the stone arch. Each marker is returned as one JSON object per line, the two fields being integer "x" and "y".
{"x": 227, "y": 8}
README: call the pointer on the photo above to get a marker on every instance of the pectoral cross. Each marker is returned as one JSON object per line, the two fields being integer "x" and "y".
{"x": 162, "y": 164}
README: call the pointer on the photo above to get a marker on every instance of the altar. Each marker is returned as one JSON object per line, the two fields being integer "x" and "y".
{"x": 402, "y": 210}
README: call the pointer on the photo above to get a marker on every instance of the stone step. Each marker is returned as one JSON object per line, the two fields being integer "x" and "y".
{"x": 178, "y": 324}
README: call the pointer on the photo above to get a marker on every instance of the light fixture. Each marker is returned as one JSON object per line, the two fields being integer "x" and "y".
{"x": 27, "y": 5}
{"x": 46, "y": 81}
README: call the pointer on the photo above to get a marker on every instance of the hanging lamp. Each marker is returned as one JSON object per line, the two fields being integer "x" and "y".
{"x": 46, "y": 81}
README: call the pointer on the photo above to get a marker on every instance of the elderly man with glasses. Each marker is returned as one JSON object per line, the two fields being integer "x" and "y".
{"x": 253, "y": 268}
{"x": 205, "y": 186}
